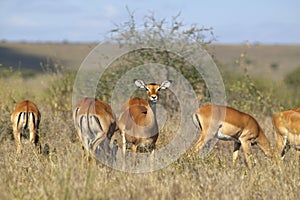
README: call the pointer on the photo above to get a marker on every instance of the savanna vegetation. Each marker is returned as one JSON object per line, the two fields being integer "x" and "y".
{"x": 60, "y": 173}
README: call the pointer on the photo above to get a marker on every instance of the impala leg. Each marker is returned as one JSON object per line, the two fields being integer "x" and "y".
{"x": 279, "y": 144}
{"x": 17, "y": 136}
{"x": 285, "y": 147}
{"x": 123, "y": 144}
{"x": 81, "y": 143}
{"x": 152, "y": 155}
{"x": 236, "y": 148}
{"x": 114, "y": 152}
{"x": 247, "y": 151}
{"x": 133, "y": 159}
{"x": 32, "y": 130}
{"x": 33, "y": 138}
{"x": 298, "y": 154}
{"x": 83, "y": 154}
{"x": 83, "y": 135}
{"x": 199, "y": 143}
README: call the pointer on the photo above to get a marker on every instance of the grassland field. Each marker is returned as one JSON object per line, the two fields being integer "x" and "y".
{"x": 62, "y": 175}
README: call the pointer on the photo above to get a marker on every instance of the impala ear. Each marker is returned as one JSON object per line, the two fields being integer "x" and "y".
{"x": 140, "y": 84}
{"x": 165, "y": 84}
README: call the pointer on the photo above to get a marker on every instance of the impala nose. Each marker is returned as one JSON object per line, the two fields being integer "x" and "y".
{"x": 153, "y": 98}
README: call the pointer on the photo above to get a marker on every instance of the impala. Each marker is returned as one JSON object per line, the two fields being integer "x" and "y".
{"x": 95, "y": 124}
{"x": 236, "y": 126}
{"x": 26, "y": 116}
{"x": 287, "y": 131}
{"x": 137, "y": 120}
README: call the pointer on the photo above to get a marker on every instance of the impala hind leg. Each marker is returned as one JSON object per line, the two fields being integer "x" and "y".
{"x": 17, "y": 136}
{"x": 246, "y": 145}
{"x": 280, "y": 144}
{"x": 83, "y": 134}
{"x": 298, "y": 154}
{"x": 114, "y": 152}
{"x": 236, "y": 148}
{"x": 33, "y": 133}
{"x": 285, "y": 147}
{"x": 199, "y": 144}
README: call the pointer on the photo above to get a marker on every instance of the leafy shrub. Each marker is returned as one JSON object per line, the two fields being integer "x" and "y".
{"x": 292, "y": 82}
{"x": 292, "y": 79}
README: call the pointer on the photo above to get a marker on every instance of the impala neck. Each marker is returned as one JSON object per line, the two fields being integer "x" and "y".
{"x": 153, "y": 107}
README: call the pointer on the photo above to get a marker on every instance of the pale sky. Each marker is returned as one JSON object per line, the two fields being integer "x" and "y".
{"x": 233, "y": 21}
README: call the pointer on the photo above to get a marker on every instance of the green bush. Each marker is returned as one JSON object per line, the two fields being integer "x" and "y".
{"x": 292, "y": 81}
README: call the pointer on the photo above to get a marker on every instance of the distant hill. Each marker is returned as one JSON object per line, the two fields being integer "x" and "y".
{"x": 30, "y": 55}
{"x": 261, "y": 60}
{"x": 268, "y": 61}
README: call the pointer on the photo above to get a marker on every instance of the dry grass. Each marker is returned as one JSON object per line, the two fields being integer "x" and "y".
{"x": 63, "y": 175}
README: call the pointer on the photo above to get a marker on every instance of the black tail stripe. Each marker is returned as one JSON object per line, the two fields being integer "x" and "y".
{"x": 98, "y": 122}
{"x": 19, "y": 117}
{"x": 111, "y": 130}
{"x": 80, "y": 124}
{"x": 91, "y": 133}
{"x": 197, "y": 118}
{"x": 76, "y": 115}
{"x": 33, "y": 119}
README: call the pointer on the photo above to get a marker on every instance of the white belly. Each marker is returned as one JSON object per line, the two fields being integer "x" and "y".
{"x": 222, "y": 136}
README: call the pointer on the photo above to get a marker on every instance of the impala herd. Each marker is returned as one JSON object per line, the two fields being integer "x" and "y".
{"x": 96, "y": 123}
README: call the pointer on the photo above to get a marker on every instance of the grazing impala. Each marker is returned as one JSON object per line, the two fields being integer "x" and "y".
{"x": 95, "y": 125}
{"x": 26, "y": 116}
{"x": 137, "y": 120}
{"x": 239, "y": 127}
{"x": 287, "y": 131}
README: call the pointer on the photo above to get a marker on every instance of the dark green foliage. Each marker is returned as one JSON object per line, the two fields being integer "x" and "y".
{"x": 292, "y": 81}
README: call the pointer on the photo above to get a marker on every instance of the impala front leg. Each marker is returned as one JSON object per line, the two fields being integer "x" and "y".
{"x": 123, "y": 150}
{"x": 236, "y": 148}
{"x": 152, "y": 155}
{"x": 133, "y": 159}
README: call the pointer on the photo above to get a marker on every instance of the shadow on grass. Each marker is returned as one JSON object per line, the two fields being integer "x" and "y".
{"x": 11, "y": 58}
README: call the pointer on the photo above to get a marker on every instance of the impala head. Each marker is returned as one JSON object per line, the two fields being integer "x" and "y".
{"x": 152, "y": 88}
